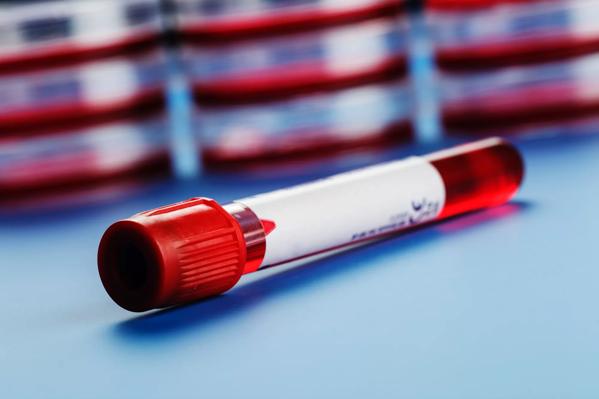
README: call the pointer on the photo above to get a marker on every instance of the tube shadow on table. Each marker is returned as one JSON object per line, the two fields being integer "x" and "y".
{"x": 173, "y": 321}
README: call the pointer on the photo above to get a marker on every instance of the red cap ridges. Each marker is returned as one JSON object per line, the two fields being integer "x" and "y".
{"x": 172, "y": 255}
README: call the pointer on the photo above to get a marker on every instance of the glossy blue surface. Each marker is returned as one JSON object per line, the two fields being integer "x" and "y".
{"x": 497, "y": 304}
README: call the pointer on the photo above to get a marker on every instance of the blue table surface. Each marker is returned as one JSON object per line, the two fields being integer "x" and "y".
{"x": 497, "y": 304}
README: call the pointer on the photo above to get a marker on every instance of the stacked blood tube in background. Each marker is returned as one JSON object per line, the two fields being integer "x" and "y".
{"x": 81, "y": 96}
{"x": 284, "y": 79}
{"x": 83, "y": 82}
{"x": 516, "y": 67}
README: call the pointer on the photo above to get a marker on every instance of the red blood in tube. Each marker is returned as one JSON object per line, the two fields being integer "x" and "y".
{"x": 299, "y": 20}
{"x": 514, "y": 52}
{"x": 60, "y": 118}
{"x": 62, "y": 55}
{"x": 478, "y": 176}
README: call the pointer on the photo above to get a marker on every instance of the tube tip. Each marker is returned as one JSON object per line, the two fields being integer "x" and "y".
{"x": 130, "y": 266}
{"x": 172, "y": 255}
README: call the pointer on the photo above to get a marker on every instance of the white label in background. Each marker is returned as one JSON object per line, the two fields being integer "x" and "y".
{"x": 108, "y": 81}
{"x": 584, "y": 72}
{"x": 583, "y": 18}
{"x": 358, "y": 47}
{"x": 342, "y": 4}
{"x": 99, "y": 22}
{"x": 348, "y": 208}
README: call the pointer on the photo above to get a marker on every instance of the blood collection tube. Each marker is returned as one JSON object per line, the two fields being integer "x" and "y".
{"x": 197, "y": 248}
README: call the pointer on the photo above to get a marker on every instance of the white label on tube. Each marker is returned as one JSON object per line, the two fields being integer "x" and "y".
{"x": 348, "y": 207}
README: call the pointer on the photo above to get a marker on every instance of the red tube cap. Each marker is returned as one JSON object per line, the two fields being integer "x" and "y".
{"x": 171, "y": 255}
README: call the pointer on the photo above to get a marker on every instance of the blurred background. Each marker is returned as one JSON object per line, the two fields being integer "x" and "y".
{"x": 83, "y": 110}
{"x": 112, "y": 107}
{"x": 101, "y": 97}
